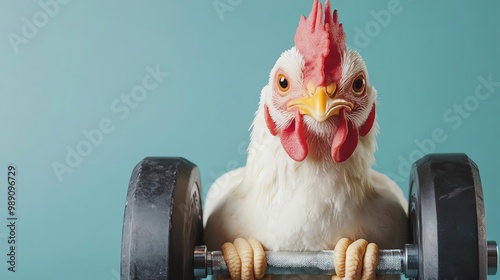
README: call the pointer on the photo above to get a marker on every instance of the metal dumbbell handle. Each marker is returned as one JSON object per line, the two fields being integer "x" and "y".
{"x": 395, "y": 261}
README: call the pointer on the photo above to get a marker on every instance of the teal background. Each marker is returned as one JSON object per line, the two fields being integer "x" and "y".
{"x": 65, "y": 79}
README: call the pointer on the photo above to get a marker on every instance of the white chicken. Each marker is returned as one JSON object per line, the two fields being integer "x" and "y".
{"x": 308, "y": 180}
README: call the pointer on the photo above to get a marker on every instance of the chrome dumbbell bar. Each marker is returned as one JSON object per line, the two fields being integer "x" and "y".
{"x": 394, "y": 261}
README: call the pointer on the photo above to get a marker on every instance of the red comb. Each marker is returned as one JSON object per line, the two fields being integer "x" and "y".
{"x": 321, "y": 44}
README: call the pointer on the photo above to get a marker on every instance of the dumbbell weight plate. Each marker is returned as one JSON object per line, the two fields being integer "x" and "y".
{"x": 447, "y": 219}
{"x": 163, "y": 221}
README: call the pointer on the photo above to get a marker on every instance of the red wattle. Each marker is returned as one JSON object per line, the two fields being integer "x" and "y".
{"x": 345, "y": 140}
{"x": 293, "y": 139}
{"x": 269, "y": 121}
{"x": 367, "y": 126}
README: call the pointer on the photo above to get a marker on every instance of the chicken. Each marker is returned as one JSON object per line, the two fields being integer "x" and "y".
{"x": 308, "y": 181}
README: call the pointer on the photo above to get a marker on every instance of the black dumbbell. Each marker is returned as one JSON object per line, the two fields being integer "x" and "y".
{"x": 162, "y": 231}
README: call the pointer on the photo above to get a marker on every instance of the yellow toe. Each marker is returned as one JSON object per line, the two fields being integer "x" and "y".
{"x": 232, "y": 260}
{"x": 370, "y": 262}
{"x": 245, "y": 252}
{"x": 259, "y": 258}
{"x": 354, "y": 259}
{"x": 339, "y": 256}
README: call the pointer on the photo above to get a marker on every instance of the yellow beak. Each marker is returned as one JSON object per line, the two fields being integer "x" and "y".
{"x": 322, "y": 104}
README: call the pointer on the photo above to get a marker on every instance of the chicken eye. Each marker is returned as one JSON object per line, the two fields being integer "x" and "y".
{"x": 358, "y": 86}
{"x": 282, "y": 83}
